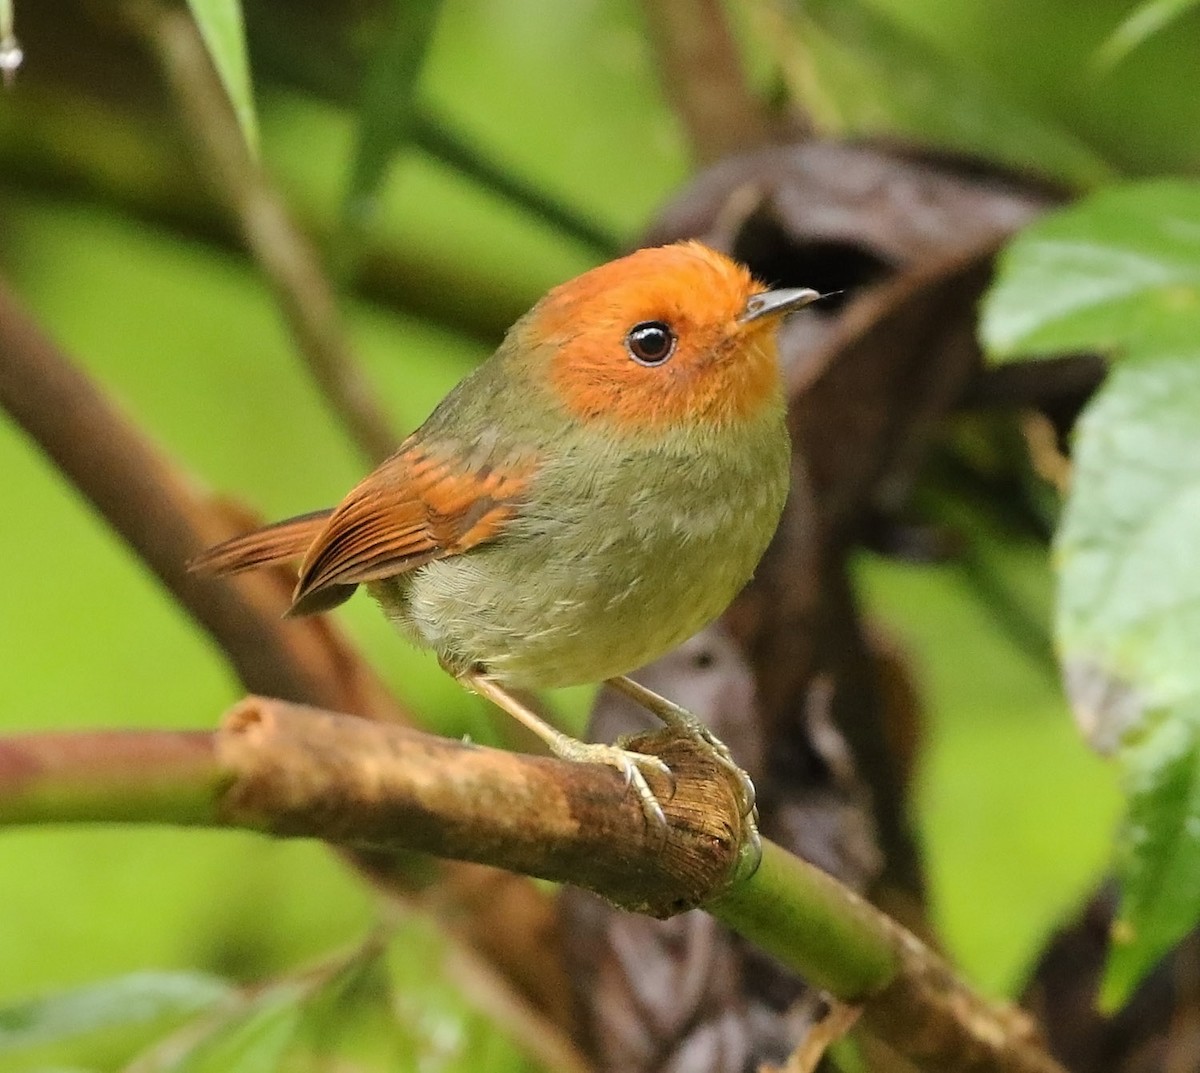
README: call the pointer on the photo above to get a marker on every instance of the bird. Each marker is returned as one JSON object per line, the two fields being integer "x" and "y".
{"x": 594, "y": 493}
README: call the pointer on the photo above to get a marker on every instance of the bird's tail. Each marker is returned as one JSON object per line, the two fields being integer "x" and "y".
{"x": 276, "y": 543}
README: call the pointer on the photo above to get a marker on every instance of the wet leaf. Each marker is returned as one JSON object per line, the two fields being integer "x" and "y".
{"x": 224, "y": 32}
{"x": 1129, "y": 610}
{"x": 1129, "y": 579}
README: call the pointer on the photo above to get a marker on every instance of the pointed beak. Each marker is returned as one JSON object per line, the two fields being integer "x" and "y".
{"x": 777, "y": 303}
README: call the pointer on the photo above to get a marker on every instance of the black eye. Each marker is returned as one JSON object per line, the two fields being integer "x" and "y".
{"x": 650, "y": 343}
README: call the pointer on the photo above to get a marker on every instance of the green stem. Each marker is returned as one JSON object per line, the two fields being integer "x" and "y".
{"x": 447, "y": 146}
{"x": 111, "y": 776}
{"x": 811, "y": 922}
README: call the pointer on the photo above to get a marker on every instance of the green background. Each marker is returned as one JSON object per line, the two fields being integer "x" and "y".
{"x": 1016, "y": 814}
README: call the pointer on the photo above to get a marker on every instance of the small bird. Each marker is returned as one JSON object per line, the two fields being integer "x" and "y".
{"x": 593, "y": 494}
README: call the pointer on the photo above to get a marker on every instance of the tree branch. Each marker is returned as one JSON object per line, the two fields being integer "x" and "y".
{"x": 703, "y": 77}
{"x": 67, "y": 142}
{"x": 283, "y": 252}
{"x": 165, "y": 522}
{"x": 113, "y": 776}
{"x": 292, "y": 771}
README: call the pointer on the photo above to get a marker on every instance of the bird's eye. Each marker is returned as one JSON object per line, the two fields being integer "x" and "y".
{"x": 650, "y": 343}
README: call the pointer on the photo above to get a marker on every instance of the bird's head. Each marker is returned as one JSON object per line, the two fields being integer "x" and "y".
{"x": 671, "y": 336}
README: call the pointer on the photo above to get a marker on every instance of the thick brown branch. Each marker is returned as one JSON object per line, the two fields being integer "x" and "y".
{"x": 295, "y": 771}
{"x": 374, "y": 786}
{"x": 284, "y": 253}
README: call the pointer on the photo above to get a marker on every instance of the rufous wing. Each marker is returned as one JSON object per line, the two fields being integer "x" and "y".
{"x": 416, "y": 507}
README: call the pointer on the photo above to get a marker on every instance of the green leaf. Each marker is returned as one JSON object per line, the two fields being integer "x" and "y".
{"x": 1142, "y": 22}
{"x": 1129, "y": 578}
{"x": 860, "y": 72}
{"x": 388, "y": 113}
{"x": 224, "y": 32}
{"x": 255, "y": 1040}
{"x": 1159, "y": 848}
{"x": 1129, "y": 631}
{"x": 1121, "y": 269}
{"x": 1129, "y": 626}
{"x": 139, "y": 998}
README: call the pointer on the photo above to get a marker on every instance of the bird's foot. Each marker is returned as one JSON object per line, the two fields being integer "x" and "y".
{"x": 633, "y": 765}
{"x": 682, "y": 720}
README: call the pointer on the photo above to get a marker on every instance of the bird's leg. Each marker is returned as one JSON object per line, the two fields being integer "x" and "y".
{"x": 682, "y": 720}
{"x": 631, "y": 764}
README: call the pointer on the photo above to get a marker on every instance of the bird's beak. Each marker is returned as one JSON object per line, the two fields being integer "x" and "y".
{"x": 777, "y": 303}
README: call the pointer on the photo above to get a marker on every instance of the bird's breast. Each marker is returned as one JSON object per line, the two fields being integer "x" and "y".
{"x": 615, "y": 557}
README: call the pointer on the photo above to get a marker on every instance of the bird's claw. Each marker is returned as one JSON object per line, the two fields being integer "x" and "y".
{"x": 680, "y": 719}
{"x": 631, "y": 764}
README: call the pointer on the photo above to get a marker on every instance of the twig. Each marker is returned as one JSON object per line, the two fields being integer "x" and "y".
{"x": 451, "y": 147}
{"x": 1046, "y": 456}
{"x": 52, "y": 146}
{"x": 837, "y": 1020}
{"x": 703, "y": 78}
{"x": 299, "y": 772}
{"x": 479, "y": 983}
{"x": 911, "y": 999}
{"x": 285, "y": 255}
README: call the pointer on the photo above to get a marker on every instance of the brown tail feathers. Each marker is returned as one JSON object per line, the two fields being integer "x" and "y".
{"x": 278, "y": 543}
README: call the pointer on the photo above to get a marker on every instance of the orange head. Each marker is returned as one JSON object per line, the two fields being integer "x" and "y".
{"x": 667, "y": 336}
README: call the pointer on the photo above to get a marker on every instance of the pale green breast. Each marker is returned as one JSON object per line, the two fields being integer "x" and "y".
{"x": 617, "y": 557}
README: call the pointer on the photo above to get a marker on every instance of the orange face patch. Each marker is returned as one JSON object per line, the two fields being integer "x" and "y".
{"x": 719, "y": 372}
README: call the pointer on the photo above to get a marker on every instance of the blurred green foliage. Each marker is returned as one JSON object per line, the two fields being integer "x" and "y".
{"x": 220, "y": 24}
{"x": 1015, "y": 813}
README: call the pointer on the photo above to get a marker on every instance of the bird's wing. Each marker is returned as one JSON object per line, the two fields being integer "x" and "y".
{"x": 418, "y": 506}
{"x": 272, "y": 544}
